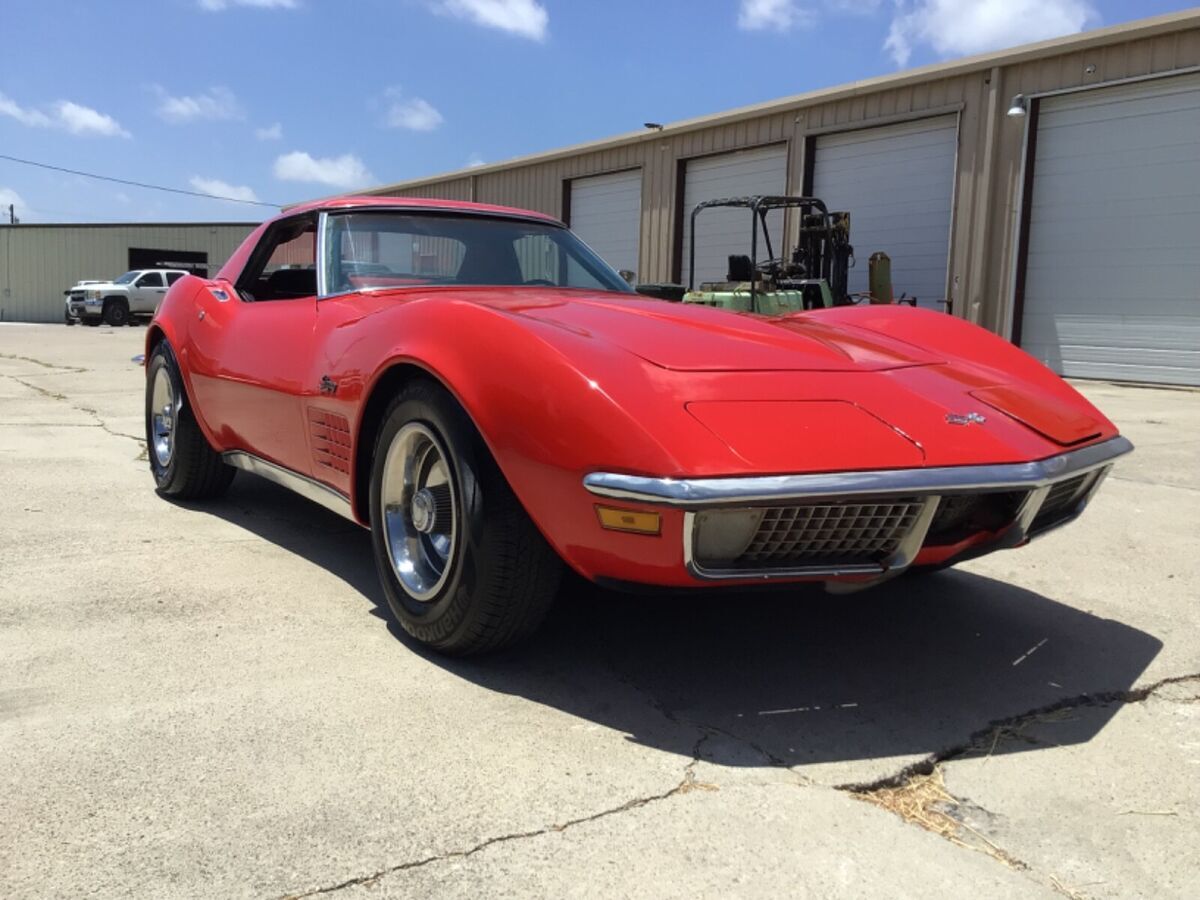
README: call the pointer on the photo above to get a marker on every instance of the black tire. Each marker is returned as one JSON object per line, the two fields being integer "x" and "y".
{"x": 116, "y": 312}
{"x": 68, "y": 320}
{"x": 192, "y": 470}
{"x": 92, "y": 323}
{"x": 501, "y": 576}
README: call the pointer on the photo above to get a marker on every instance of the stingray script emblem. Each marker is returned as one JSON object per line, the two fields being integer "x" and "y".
{"x": 971, "y": 418}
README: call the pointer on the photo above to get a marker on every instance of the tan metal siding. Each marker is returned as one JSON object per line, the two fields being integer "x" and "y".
{"x": 38, "y": 263}
{"x": 455, "y": 189}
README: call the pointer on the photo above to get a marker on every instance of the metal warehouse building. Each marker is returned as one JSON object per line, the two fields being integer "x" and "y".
{"x": 1073, "y": 229}
{"x": 39, "y": 262}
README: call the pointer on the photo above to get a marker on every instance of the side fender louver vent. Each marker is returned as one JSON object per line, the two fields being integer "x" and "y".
{"x": 330, "y": 435}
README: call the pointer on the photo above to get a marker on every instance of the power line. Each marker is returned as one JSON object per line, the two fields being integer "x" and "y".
{"x": 140, "y": 184}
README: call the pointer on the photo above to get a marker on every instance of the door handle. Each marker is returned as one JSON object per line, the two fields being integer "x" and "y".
{"x": 200, "y": 315}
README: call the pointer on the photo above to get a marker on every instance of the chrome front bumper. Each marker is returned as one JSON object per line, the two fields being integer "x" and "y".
{"x": 1036, "y": 479}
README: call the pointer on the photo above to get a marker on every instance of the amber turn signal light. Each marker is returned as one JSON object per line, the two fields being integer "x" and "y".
{"x": 630, "y": 520}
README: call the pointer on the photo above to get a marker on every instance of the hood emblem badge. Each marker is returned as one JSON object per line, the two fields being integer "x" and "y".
{"x": 971, "y": 418}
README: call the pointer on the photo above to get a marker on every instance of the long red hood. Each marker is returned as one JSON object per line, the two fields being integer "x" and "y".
{"x": 691, "y": 338}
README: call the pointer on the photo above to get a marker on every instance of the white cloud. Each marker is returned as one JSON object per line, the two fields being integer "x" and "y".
{"x": 345, "y": 171}
{"x": 64, "y": 115}
{"x": 30, "y": 117}
{"x": 525, "y": 18}
{"x": 412, "y": 113}
{"x": 219, "y": 5}
{"x": 215, "y": 187}
{"x": 7, "y": 196}
{"x": 474, "y": 161}
{"x": 217, "y": 104}
{"x": 85, "y": 120}
{"x": 773, "y": 15}
{"x": 270, "y": 133}
{"x": 961, "y": 27}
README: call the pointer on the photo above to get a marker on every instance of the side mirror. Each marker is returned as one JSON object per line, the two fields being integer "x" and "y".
{"x": 629, "y": 276}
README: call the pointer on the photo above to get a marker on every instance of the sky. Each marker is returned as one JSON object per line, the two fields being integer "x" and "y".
{"x": 277, "y": 101}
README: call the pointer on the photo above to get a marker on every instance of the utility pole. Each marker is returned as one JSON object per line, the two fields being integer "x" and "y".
{"x": 12, "y": 214}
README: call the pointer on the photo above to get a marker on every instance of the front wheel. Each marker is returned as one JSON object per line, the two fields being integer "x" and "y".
{"x": 116, "y": 313}
{"x": 463, "y": 567}
{"x": 183, "y": 464}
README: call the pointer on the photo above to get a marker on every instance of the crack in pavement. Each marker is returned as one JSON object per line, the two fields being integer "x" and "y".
{"x": 924, "y": 770}
{"x": 1010, "y": 726}
{"x": 87, "y": 410}
{"x": 686, "y": 785}
{"x": 44, "y": 365}
{"x": 918, "y": 795}
{"x": 673, "y": 717}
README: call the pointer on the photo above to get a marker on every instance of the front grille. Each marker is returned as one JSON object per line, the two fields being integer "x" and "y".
{"x": 1061, "y": 501}
{"x": 832, "y": 534}
{"x": 78, "y": 295}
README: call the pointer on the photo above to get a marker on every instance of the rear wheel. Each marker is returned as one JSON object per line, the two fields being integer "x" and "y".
{"x": 183, "y": 464}
{"x": 463, "y": 567}
{"x": 116, "y": 312}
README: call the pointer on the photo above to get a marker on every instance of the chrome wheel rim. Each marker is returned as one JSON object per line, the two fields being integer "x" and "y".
{"x": 162, "y": 417}
{"x": 420, "y": 510}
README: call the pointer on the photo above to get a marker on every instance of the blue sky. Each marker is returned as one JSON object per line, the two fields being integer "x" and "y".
{"x": 281, "y": 100}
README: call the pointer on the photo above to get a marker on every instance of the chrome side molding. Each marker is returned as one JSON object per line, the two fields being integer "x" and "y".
{"x": 700, "y": 492}
{"x": 306, "y": 487}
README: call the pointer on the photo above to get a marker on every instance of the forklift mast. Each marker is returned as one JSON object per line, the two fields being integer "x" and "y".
{"x": 823, "y": 251}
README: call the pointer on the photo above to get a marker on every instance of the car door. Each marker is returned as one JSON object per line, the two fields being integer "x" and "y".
{"x": 250, "y": 351}
{"x": 147, "y": 292}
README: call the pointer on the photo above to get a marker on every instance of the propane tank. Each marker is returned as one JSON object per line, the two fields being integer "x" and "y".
{"x": 879, "y": 277}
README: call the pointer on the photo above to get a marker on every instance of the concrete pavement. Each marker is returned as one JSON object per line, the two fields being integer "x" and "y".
{"x": 209, "y": 700}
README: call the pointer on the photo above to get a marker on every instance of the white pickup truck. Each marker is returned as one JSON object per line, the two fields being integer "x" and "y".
{"x": 134, "y": 295}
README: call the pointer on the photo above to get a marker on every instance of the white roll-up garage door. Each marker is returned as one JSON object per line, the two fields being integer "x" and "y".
{"x": 1112, "y": 278}
{"x": 897, "y": 183}
{"x": 721, "y": 232}
{"x": 606, "y": 212}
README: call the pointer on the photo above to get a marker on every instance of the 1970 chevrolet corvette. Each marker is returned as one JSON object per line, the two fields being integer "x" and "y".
{"x": 492, "y": 401}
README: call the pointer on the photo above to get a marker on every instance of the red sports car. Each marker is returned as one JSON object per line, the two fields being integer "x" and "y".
{"x": 492, "y": 401}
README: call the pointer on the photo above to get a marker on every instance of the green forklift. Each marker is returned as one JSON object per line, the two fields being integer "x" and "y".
{"x": 813, "y": 276}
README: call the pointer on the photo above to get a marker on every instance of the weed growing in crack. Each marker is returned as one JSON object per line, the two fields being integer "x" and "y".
{"x": 923, "y": 800}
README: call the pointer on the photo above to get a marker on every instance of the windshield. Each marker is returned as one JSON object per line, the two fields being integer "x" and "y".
{"x": 126, "y": 278}
{"x": 400, "y": 249}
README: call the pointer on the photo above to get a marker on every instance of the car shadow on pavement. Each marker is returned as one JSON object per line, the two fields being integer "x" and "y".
{"x": 797, "y": 676}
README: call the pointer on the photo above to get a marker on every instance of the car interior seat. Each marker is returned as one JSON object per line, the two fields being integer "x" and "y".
{"x": 285, "y": 284}
{"x": 486, "y": 262}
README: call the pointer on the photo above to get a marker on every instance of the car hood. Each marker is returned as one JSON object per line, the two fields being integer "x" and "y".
{"x": 693, "y": 338}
